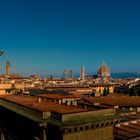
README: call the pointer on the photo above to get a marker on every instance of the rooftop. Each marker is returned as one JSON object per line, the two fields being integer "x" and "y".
{"x": 128, "y": 130}
{"x": 43, "y": 106}
{"x": 116, "y": 101}
{"x": 60, "y": 96}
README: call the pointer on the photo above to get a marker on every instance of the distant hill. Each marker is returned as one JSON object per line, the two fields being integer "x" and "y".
{"x": 113, "y": 75}
{"x": 121, "y": 75}
{"x": 125, "y": 75}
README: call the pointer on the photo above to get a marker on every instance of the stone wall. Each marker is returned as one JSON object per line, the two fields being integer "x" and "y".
{"x": 82, "y": 115}
{"x": 104, "y": 133}
{"x": 89, "y": 114}
{"x": 2, "y": 92}
{"x": 5, "y": 86}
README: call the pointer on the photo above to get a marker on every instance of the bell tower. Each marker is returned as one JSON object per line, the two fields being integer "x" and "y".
{"x": 64, "y": 74}
{"x": 8, "y": 68}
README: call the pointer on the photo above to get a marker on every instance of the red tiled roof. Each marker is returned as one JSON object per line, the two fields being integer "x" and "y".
{"x": 120, "y": 101}
{"x": 44, "y": 106}
{"x": 58, "y": 96}
{"x": 128, "y": 130}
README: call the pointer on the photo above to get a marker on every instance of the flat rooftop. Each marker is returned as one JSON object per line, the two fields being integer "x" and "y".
{"x": 128, "y": 130}
{"x": 117, "y": 101}
{"x": 59, "y": 96}
{"x": 43, "y": 106}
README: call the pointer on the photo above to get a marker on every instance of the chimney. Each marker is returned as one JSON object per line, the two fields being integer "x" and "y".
{"x": 39, "y": 100}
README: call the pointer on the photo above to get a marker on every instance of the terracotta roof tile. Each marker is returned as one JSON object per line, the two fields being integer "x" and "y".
{"x": 120, "y": 101}
{"x": 44, "y": 106}
{"x": 58, "y": 96}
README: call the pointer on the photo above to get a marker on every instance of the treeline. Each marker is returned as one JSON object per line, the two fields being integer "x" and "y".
{"x": 106, "y": 91}
{"x": 135, "y": 90}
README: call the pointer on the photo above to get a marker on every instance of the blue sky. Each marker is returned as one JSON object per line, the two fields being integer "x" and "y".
{"x": 46, "y": 36}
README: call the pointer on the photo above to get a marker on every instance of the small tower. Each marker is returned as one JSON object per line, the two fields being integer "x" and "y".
{"x": 64, "y": 74}
{"x": 82, "y": 73}
{"x": 71, "y": 74}
{"x": 8, "y": 68}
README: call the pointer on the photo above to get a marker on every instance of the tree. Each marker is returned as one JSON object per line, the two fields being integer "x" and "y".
{"x": 135, "y": 90}
{"x": 105, "y": 91}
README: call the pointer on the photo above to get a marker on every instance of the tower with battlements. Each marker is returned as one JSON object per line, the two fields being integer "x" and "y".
{"x": 64, "y": 74}
{"x": 8, "y": 68}
{"x": 71, "y": 74}
{"x": 82, "y": 73}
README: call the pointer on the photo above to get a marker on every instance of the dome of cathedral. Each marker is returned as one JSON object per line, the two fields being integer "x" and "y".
{"x": 103, "y": 71}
